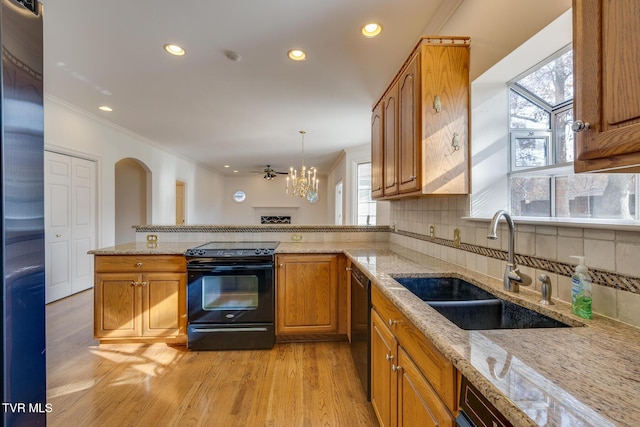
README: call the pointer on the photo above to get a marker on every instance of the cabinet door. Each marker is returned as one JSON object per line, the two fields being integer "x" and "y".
{"x": 307, "y": 294}
{"x": 383, "y": 378}
{"x": 409, "y": 123}
{"x": 390, "y": 141}
{"x": 445, "y": 133}
{"x": 376, "y": 152}
{"x": 418, "y": 403}
{"x": 118, "y": 307}
{"x": 163, "y": 304}
{"x": 607, "y": 87}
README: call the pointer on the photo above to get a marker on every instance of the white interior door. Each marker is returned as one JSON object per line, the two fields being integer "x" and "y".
{"x": 70, "y": 226}
{"x": 83, "y": 222}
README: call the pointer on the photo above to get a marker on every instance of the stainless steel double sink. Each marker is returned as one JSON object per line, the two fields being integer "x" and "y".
{"x": 473, "y": 308}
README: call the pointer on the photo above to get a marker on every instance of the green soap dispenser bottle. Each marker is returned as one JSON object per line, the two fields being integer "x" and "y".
{"x": 581, "y": 290}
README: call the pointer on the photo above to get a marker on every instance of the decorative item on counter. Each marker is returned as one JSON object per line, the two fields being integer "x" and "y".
{"x": 581, "y": 290}
{"x": 305, "y": 183}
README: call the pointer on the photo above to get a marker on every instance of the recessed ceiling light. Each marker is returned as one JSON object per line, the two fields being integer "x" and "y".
{"x": 105, "y": 108}
{"x": 297, "y": 54}
{"x": 227, "y": 166}
{"x": 371, "y": 30}
{"x": 235, "y": 171}
{"x": 174, "y": 49}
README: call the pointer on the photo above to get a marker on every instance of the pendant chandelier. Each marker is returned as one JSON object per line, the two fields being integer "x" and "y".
{"x": 303, "y": 183}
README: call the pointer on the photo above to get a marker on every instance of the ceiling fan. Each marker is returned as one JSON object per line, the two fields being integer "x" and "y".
{"x": 270, "y": 173}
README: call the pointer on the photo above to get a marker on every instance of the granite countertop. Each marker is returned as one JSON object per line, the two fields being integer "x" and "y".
{"x": 587, "y": 375}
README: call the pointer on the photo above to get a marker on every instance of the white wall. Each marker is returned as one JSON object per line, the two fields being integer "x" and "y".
{"x": 72, "y": 131}
{"x": 261, "y": 193}
{"x": 131, "y": 199}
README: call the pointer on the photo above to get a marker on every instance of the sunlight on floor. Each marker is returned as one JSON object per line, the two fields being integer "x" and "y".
{"x": 52, "y": 393}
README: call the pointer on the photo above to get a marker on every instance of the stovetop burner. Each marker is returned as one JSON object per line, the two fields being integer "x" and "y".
{"x": 233, "y": 249}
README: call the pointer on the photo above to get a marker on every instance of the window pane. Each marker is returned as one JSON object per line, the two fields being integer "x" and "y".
{"x": 366, "y": 208}
{"x": 610, "y": 196}
{"x": 530, "y": 151}
{"x": 552, "y": 82}
{"x": 531, "y": 196}
{"x": 564, "y": 136}
{"x": 527, "y": 115}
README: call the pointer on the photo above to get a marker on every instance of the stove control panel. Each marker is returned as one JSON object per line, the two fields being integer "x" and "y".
{"x": 229, "y": 253}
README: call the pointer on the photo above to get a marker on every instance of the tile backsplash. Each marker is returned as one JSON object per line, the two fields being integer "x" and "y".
{"x": 613, "y": 256}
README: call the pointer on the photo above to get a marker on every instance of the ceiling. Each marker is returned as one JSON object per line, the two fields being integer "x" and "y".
{"x": 247, "y": 113}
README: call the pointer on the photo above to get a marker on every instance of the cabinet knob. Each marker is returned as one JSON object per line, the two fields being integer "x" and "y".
{"x": 138, "y": 264}
{"x": 144, "y": 284}
{"x": 280, "y": 265}
{"x": 396, "y": 368}
{"x": 348, "y": 268}
{"x": 389, "y": 357}
{"x": 134, "y": 283}
{"x": 58, "y": 235}
{"x": 392, "y": 322}
{"x": 412, "y": 178}
{"x": 579, "y": 126}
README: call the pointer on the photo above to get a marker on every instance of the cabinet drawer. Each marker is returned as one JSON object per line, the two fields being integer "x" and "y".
{"x": 438, "y": 369}
{"x": 126, "y": 263}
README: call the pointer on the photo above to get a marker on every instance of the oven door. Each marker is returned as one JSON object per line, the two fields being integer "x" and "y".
{"x": 228, "y": 294}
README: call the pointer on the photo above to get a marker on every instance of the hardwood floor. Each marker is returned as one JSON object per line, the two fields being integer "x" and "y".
{"x": 294, "y": 384}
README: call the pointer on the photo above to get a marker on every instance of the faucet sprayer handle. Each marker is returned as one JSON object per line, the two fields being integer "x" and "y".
{"x": 545, "y": 291}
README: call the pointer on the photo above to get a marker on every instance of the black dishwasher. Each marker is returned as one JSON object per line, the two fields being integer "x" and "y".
{"x": 476, "y": 410}
{"x": 360, "y": 327}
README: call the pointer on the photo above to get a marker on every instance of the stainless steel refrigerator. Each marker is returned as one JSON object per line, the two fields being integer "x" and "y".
{"x": 22, "y": 205}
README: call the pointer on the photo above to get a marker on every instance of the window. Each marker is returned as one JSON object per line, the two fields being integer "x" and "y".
{"x": 541, "y": 178}
{"x": 365, "y": 207}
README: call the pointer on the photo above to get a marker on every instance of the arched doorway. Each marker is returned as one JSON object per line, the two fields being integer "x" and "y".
{"x": 132, "y": 198}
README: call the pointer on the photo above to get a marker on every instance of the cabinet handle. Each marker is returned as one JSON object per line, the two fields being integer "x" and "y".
{"x": 437, "y": 104}
{"x": 396, "y": 368}
{"x": 392, "y": 322}
{"x": 389, "y": 357}
{"x": 138, "y": 264}
{"x": 134, "y": 283}
{"x": 579, "y": 126}
{"x": 144, "y": 283}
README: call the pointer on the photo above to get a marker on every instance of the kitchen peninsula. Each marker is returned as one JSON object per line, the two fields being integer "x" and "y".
{"x": 587, "y": 374}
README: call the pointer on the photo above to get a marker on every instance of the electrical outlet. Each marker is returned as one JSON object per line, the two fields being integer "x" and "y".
{"x": 432, "y": 231}
{"x": 296, "y": 237}
{"x": 152, "y": 238}
{"x": 456, "y": 238}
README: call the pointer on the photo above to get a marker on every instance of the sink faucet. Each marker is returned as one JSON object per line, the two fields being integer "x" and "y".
{"x": 512, "y": 277}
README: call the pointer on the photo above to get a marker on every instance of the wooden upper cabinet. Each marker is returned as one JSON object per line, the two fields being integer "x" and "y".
{"x": 426, "y": 122}
{"x": 607, "y": 85}
{"x": 409, "y": 127}
{"x": 445, "y": 129}
{"x": 390, "y": 141}
{"x": 376, "y": 152}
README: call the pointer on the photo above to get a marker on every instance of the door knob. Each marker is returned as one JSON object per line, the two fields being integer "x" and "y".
{"x": 579, "y": 126}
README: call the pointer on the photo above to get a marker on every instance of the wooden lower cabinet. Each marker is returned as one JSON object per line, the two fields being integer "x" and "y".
{"x": 383, "y": 379}
{"x": 409, "y": 387}
{"x": 310, "y": 295}
{"x": 139, "y": 305}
